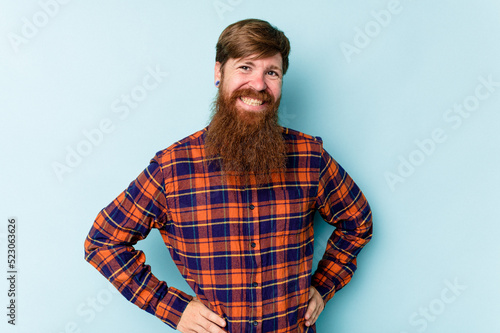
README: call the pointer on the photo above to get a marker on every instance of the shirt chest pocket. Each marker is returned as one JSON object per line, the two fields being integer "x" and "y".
{"x": 291, "y": 222}
{"x": 288, "y": 212}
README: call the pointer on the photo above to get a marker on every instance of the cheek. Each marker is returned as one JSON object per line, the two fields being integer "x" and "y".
{"x": 276, "y": 91}
{"x": 226, "y": 88}
{"x": 231, "y": 86}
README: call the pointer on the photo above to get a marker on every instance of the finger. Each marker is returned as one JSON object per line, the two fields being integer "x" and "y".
{"x": 311, "y": 320}
{"x": 317, "y": 311}
{"x": 213, "y": 317}
{"x": 203, "y": 325}
{"x": 314, "y": 316}
{"x": 310, "y": 309}
{"x": 198, "y": 318}
{"x": 315, "y": 307}
{"x": 210, "y": 327}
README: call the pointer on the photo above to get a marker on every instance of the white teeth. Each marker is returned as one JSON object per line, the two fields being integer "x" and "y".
{"x": 251, "y": 101}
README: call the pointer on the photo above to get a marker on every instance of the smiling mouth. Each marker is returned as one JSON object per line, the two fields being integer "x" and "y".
{"x": 251, "y": 101}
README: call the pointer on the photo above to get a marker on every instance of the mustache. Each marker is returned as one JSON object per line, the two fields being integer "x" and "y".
{"x": 251, "y": 93}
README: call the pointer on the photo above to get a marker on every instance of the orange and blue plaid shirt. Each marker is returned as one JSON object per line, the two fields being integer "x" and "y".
{"x": 245, "y": 250}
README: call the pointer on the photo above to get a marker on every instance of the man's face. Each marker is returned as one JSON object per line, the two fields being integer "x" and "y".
{"x": 256, "y": 82}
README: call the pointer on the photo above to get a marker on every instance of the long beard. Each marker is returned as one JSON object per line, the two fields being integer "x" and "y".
{"x": 248, "y": 145}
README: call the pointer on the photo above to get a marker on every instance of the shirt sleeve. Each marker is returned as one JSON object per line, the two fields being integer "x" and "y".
{"x": 119, "y": 226}
{"x": 342, "y": 204}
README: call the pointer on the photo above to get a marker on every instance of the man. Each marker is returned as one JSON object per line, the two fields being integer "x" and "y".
{"x": 234, "y": 204}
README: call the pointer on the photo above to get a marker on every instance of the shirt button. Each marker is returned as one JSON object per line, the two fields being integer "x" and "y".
{"x": 255, "y": 284}
{"x": 251, "y": 207}
{"x": 252, "y": 244}
{"x": 255, "y": 323}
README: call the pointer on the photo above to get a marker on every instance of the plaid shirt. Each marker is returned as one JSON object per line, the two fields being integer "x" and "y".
{"x": 246, "y": 251}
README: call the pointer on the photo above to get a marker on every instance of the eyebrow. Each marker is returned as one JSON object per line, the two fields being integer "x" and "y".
{"x": 249, "y": 62}
{"x": 275, "y": 68}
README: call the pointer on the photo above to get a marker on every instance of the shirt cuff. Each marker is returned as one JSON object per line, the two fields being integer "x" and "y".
{"x": 171, "y": 307}
{"x": 325, "y": 291}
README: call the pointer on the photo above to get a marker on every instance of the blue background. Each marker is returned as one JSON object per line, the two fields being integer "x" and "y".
{"x": 374, "y": 79}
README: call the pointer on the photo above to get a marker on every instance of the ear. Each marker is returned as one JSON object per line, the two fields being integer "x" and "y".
{"x": 217, "y": 71}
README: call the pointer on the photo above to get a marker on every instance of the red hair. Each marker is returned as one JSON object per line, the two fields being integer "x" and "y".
{"x": 252, "y": 37}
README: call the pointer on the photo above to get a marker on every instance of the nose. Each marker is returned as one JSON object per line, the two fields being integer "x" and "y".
{"x": 258, "y": 82}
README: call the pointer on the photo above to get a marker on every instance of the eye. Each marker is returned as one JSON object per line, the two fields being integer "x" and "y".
{"x": 273, "y": 73}
{"x": 245, "y": 68}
